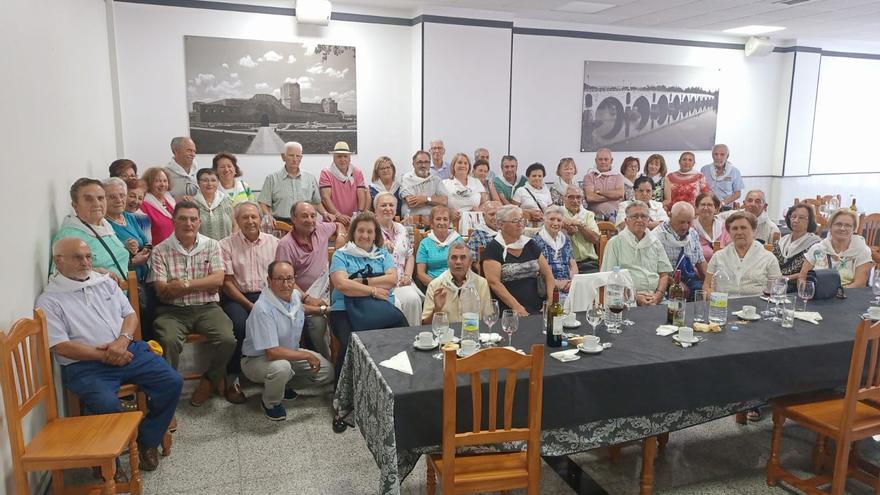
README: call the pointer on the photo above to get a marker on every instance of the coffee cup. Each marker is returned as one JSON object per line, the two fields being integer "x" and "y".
{"x": 874, "y": 312}
{"x": 570, "y": 319}
{"x": 591, "y": 342}
{"x": 686, "y": 334}
{"x": 426, "y": 339}
{"x": 749, "y": 311}
{"x": 468, "y": 347}
{"x": 448, "y": 336}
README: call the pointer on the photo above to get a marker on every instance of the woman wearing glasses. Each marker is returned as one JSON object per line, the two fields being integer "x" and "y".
{"x": 746, "y": 262}
{"x": 842, "y": 250}
{"x": 789, "y": 251}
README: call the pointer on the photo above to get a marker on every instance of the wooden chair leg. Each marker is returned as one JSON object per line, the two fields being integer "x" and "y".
{"x": 819, "y": 454}
{"x": 134, "y": 479}
{"x": 662, "y": 440}
{"x": 649, "y": 452}
{"x": 167, "y": 440}
{"x": 431, "y": 481}
{"x": 57, "y": 482}
{"x": 614, "y": 453}
{"x": 742, "y": 418}
{"x": 773, "y": 461}
{"x": 841, "y": 467}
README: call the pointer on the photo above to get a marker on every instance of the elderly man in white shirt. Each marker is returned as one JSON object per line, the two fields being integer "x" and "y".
{"x": 757, "y": 206}
{"x": 271, "y": 354}
{"x": 182, "y": 168}
{"x": 91, "y": 328}
{"x": 420, "y": 189}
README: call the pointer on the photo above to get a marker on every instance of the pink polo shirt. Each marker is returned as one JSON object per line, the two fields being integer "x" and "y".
{"x": 307, "y": 264}
{"x": 248, "y": 261}
{"x": 343, "y": 194}
{"x": 602, "y": 184}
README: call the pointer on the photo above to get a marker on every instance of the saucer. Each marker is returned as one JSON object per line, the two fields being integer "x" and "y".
{"x": 866, "y": 316}
{"x": 693, "y": 340}
{"x": 591, "y": 350}
{"x": 421, "y": 347}
{"x": 455, "y": 340}
{"x": 739, "y": 314}
{"x": 567, "y": 324}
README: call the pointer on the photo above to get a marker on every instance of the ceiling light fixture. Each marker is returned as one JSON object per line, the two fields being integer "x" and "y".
{"x": 584, "y": 7}
{"x": 754, "y": 29}
{"x": 313, "y": 12}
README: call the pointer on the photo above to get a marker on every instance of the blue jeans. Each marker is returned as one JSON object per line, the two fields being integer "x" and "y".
{"x": 96, "y": 384}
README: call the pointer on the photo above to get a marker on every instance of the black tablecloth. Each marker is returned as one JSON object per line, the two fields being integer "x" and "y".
{"x": 643, "y": 373}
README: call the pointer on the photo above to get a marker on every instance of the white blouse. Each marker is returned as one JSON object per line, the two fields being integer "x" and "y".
{"x": 463, "y": 197}
{"x": 526, "y": 202}
{"x": 748, "y": 274}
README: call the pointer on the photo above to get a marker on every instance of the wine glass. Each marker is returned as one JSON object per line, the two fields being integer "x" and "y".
{"x": 767, "y": 291}
{"x": 875, "y": 287}
{"x": 509, "y": 324}
{"x": 544, "y": 306}
{"x": 777, "y": 294}
{"x": 806, "y": 291}
{"x": 617, "y": 308}
{"x": 439, "y": 325}
{"x": 491, "y": 318}
{"x": 594, "y": 316}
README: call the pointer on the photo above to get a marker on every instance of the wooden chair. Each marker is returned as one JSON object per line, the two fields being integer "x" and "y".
{"x": 716, "y": 246}
{"x": 476, "y": 473}
{"x": 74, "y": 408}
{"x": 869, "y": 228}
{"x": 282, "y": 228}
{"x": 845, "y": 420}
{"x": 607, "y": 229}
{"x": 63, "y": 443}
{"x": 335, "y": 346}
{"x": 603, "y": 240}
{"x": 418, "y": 235}
{"x": 479, "y": 261}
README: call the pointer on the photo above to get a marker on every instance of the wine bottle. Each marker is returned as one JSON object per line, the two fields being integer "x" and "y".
{"x": 675, "y": 304}
{"x": 554, "y": 321}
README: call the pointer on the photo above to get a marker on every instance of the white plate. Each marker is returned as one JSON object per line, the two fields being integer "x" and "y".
{"x": 739, "y": 314}
{"x": 421, "y": 347}
{"x": 566, "y": 324}
{"x": 591, "y": 350}
{"x": 693, "y": 339}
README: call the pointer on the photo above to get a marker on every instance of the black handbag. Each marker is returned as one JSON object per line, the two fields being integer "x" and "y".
{"x": 827, "y": 284}
{"x": 368, "y": 313}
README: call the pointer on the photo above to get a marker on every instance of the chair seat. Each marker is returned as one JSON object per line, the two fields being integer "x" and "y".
{"x": 85, "y": 438}
{"x": 192, "y": 338}
{"x": 826, "y": 416}
{"x": 487, "y": 472}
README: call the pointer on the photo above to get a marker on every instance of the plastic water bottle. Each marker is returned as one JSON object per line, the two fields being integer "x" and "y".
{"x": 615, "y": 299}
{"x": 266, "y": 225}
{"x": 721, "y": 283}
{"x": 469, "y": 303}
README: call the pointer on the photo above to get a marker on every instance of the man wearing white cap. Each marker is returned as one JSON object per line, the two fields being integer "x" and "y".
{"x": 343, "y": 191}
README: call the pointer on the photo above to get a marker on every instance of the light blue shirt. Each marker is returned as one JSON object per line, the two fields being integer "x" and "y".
{"x": 349, "y": 264}
{"x": 433, "y": 256}
{"x": 268, "y": 327}
{"x": 725, "y": 185}
{"x": 441, "y": 173}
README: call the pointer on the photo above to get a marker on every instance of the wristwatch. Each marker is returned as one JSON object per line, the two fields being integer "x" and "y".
{"x": 186, "y": 284}
{"x": 323, "y": 308}
{"x": 129, "y": 337}
{"x": 429, "y": 199}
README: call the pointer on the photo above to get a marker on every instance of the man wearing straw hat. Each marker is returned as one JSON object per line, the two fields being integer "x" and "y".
{"x": 343, "y": 191}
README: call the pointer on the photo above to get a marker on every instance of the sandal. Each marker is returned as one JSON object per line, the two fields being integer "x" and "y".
{"x": 754, "y": 415}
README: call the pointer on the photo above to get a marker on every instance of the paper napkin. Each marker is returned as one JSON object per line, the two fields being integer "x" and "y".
{"x": 399, "y": 362}
{"x": 810, "y": 316}
{"x": 666, "y": 330}
{"x": 566, "y": 355}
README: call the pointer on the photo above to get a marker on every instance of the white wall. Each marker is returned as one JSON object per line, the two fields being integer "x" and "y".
{"x": 57, "y": 126}
{"x": 152, "y": 81}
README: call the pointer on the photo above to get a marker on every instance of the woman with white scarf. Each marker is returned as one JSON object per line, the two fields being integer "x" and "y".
{"x": 215, "y": 207}
{"x": 789, "y": 251}
{"x": 109, "y": 254}
{"x": 557, "y": 248}
{"x": 655, "y": 168}
{"x": 364, "y": 249}
{"x": 565, "y": 178}
{"x": 158, "y": 204}
{"x": 464, "y": 193}
{"x": 228, "y": 173}
{"x": 629, "y": 169}
{"x": 747, "y": 264}
{"x": 643, "y": 189}
{"x": 385, "y": 180}
{"x": 431, "y": 256}
{"x": 512, "y": 264}
{"x": 534, "y": 197}
{"x": 841, "y": 250}
{"x": 685, "y": 183}
{"x": 408, "y": 297}
{"x": 708, "y": 225}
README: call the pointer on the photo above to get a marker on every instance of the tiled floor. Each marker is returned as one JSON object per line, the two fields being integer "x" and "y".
{"x": 222, "y": 449}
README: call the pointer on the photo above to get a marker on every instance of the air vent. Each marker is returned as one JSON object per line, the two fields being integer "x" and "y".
{"x": 791, "y": 2}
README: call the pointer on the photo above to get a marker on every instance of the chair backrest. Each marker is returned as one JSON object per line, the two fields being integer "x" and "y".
{"x": 861, "y": 385}
{"x": 418, "y": 235}
{"x": 492, "y": 360}
{"x": 134, "y": 300}
{"x": 603, "y": 240}
{"x": 869, "y": 228}
{"x": 282, "y": 227}
{"x": 330, "y": 251}
{"x": 607, "y": 229}
{"x": 716, "y": 246}
{"x": 479, "y": 260}
{"x": 26, "y": 375}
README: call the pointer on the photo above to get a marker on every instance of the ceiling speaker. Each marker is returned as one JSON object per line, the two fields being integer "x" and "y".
{"x": 313, "y": 12}
{"x": 759, "y": 47}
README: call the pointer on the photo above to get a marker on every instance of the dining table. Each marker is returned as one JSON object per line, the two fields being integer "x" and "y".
{"x": 642, "y": 386}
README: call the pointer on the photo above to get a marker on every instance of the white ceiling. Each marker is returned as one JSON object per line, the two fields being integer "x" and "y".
{"x": 857, "y": 20}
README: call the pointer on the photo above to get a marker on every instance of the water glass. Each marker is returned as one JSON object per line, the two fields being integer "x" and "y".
{"x": 787, "y": 314}
{"x": 440, "y": 325}
{"x": 491, "y": 317}
{"x": 701, "y": 307}
{"x": 509, "y": 324}
{"x": 595, "y": 315}
{"x": 777, "y": 295}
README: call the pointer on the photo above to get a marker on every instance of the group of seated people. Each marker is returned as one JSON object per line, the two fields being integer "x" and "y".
{"x": 204, "y": 263}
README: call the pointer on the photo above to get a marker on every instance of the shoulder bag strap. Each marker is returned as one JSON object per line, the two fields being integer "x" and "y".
{"x": 123, "y": 273}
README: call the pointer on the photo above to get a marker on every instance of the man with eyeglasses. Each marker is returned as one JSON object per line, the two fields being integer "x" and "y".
{"x": 439, "y": 167}
{"x": 635, "y": 249}
{"x": 756, "y": 205}
{"x": 420, "y": 188}
{"x": 271, "y": 354}
{"x": 580, "y": 225}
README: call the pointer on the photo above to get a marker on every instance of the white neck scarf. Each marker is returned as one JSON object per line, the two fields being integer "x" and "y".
{"x": 561, "y": 186}
{"x": 199, "y": 246}
{"x": 717, "y": 226}
{"x": 448, "y": 281}
{"x": 450, "y": 237}
{"x": 596, "y": 173}
{"x": 278, "y": 304}
{"x": 351, "y": 249}
{"x": 635, "y": 243}
{"x": 692, "y": 171}
{"x": 656, "y": 179}
{"x": 554, "y": 242}
{"x": 179, "y": 170}
{"x": 628, "y": 182}
{"x": 103, "y": 229}
{"x": 670, "y": 236}
{"x": 338, "y": 173}
{"x": 157, "y": 203}
{"x": 412, "y": 179}
{"x": 489, "y": 230}
{"x": 857, "y": 246}
{"x": 237, "y": 188}
{"x": 511, "y": 184}
{"x": 60, "y": 284}
{"x": 395, "y": 186}
{"x": 790, "y": 248}
{"x": 739, "y": 266}
{"x": 218, "y": 200}
{"x": 517, "y": 244}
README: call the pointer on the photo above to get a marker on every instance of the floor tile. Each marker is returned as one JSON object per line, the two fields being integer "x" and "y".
{"x": 200, "y": 462}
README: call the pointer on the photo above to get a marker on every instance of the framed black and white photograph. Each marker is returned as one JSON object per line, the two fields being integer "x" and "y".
{"x": 251, "y": 96}
{"x": 648, "y": 107}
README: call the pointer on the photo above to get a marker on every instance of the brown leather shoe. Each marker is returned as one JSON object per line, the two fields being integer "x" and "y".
{"x": 149, "y": 458}
{"x": 202, "y": 393}
{"x": 234, "y": 394}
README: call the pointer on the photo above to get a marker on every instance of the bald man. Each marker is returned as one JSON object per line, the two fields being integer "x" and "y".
{"x": 91, "y": 328}
{"x": 603, "y": 187}
{"x": 756, "y": 204}
{"x": 290, "y": 185}
{"x": 182, "y": 168}
{"x": 682, "y": 244}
